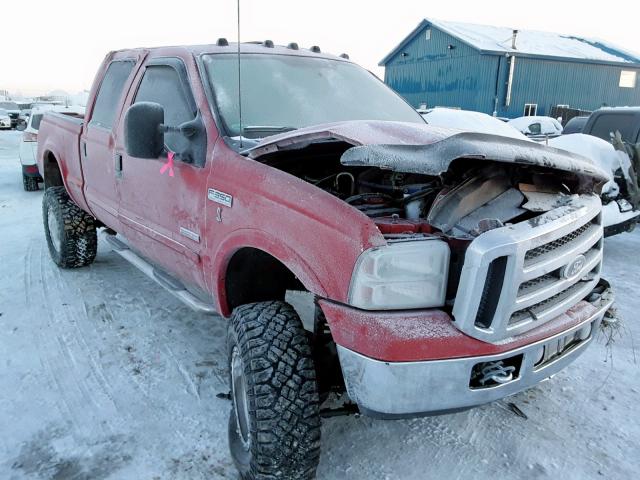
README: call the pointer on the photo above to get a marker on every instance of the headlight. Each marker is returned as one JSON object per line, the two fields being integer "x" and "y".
{"x": 401, "y": 275}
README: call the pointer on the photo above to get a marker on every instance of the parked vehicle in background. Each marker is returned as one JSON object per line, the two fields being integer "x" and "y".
{"x": 29, "y": 143}
{"x": 25, "y": 111}
{"x": 603, "y": 123}
{"x": 619, "y": 128}
{"x": 470, "y": 121}
{"x": 355, "y": 250}
{"x": 620, "y": 195}
{"x": 5, "y": 119}
{"x": 537, "y": 127}
{"x": 575, "y": 125}
{"x": 13, "y": 109}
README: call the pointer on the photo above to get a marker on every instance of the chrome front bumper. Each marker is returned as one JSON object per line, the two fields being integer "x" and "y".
{"x": 405, "y": 389}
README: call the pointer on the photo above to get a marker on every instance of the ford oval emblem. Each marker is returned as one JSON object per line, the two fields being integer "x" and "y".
{"x": 574, "y": 267}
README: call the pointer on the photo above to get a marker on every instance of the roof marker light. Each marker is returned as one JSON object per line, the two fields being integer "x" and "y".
{"x": 293, "y": 46}
{"x": 315, "y": 49}
{"x": 222, "y": 42}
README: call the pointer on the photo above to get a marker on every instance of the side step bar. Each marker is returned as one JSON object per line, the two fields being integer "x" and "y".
{"x": 172, "y": 285}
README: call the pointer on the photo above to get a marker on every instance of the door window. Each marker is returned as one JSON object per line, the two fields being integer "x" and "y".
{"x": 110, "y": 92}
{"x": 162, "y": 84}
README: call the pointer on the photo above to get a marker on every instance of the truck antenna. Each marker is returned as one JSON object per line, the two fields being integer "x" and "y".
{"x": 239, "y": 85}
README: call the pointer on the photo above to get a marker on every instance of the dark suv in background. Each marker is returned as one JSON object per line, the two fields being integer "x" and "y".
{"x": 604, "y": 121}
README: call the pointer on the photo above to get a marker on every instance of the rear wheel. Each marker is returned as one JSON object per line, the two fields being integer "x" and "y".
{"x": 70, "y": 231}
{"x": 274, "y": 427}
{"x": 30, "y": 184}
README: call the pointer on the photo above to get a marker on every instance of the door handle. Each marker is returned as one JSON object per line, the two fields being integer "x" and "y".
{"x": 117, "y": 157}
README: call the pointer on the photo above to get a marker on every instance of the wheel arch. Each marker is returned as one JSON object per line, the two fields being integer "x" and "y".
{"x": 51, "y": 172}
{"x": 251, "y": 266}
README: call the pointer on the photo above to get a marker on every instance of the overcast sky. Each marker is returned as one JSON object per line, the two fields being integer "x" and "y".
{"x": 48, "y": 44}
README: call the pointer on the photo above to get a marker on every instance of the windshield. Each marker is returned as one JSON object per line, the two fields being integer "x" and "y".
{"x": 285, "y": 92}
{"x": 3, "y": 112}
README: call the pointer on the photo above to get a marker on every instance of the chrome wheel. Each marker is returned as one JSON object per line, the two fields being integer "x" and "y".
{"x": 54, "y": 229}
{"x": 239, "y": 397}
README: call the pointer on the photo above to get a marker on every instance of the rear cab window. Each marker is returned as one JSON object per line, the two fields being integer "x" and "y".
{"x": 110, "y": 93}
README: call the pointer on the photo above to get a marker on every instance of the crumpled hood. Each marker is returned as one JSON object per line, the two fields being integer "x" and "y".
{"x": 356, "y": 132}
{"x": 426, "y": 149}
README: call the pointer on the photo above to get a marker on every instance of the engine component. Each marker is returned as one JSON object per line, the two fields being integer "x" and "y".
{"x": 395, "y": 225}
{"x": 459, "y": 211}
{"x": 374, "y": 204}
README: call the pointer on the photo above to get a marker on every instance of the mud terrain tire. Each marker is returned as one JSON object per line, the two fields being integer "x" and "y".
{"x": 274, "y": 394}
{"x": 70, "y": 231}
{"x": 30, "y": 184}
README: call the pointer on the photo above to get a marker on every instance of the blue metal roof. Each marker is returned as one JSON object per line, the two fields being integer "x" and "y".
{"x": 529, "y": 43}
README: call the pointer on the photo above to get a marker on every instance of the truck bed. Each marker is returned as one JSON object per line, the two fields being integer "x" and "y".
{"x": 59, "y": 135}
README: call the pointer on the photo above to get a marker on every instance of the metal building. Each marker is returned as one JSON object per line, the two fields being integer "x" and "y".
{"x": 507, "y": 72}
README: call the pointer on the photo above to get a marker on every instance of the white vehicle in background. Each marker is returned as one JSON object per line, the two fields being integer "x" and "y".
{"x": 29, "y": 144}
{"x": 537, "y": 127}
{"x": 469, "y": 121}
{"x": 13, "y": 110}
{"x": 5, "y": 120}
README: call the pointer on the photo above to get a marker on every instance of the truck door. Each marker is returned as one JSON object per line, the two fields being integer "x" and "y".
{"x": 162, "y": 205}
{"x": 99, "y": 166}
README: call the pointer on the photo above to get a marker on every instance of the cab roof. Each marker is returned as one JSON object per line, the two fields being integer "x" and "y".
{"x": 264, "y": 47}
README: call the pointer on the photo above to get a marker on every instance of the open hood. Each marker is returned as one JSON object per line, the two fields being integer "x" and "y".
{"x": 357, "y": 132}
{"x": 425, "y": 149}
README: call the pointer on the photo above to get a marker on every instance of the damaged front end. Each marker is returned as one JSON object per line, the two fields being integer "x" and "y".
{"x": 490, "y": 279}
{"x": 521, "y": 221}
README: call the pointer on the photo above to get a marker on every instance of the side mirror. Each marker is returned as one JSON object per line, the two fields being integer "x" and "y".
{"x": 143, "y": 135}
{"x": 21, "y": 126}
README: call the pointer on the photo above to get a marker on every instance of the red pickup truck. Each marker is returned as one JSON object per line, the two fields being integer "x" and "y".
{"x": 356, "y": 250}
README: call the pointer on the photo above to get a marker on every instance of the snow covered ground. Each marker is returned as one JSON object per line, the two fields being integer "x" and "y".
{"x": 104, "y": 376}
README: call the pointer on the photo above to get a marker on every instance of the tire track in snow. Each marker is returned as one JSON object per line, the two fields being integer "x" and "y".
{"x": 79, "y": 390}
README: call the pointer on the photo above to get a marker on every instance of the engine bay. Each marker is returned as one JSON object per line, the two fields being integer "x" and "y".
{"x": 467, "y": 200}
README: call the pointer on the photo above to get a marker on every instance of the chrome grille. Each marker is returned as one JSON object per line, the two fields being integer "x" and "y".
{"x": 532, "y": 312}
{"x": 551, "y": 264}
{"x": 551, "y": 246}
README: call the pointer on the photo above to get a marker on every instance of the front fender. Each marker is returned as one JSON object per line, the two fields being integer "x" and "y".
{"x": 258, "y": 239}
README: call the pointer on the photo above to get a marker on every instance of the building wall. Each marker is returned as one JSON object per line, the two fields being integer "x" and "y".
{"x": 432, "y": 73}
{"x": 462, "y": 77}
{"x": 579, "y": 85}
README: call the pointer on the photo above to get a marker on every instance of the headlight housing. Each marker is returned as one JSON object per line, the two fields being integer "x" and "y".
{"x": 402, "y": 275}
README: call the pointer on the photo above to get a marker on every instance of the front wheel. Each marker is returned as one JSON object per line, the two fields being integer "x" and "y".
{"x": 70, "y": 231}
{"x": 274, "y": 427}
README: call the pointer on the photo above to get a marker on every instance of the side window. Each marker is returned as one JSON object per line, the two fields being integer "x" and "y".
{"x": 162, "y": 84}
{"x": 110, "y": 92}
{"x": 605, "y": 125}
{"x": 535, "y": 128}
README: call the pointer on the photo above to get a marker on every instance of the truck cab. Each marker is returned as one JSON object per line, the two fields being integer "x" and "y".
{"x": 354, "y": 249}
